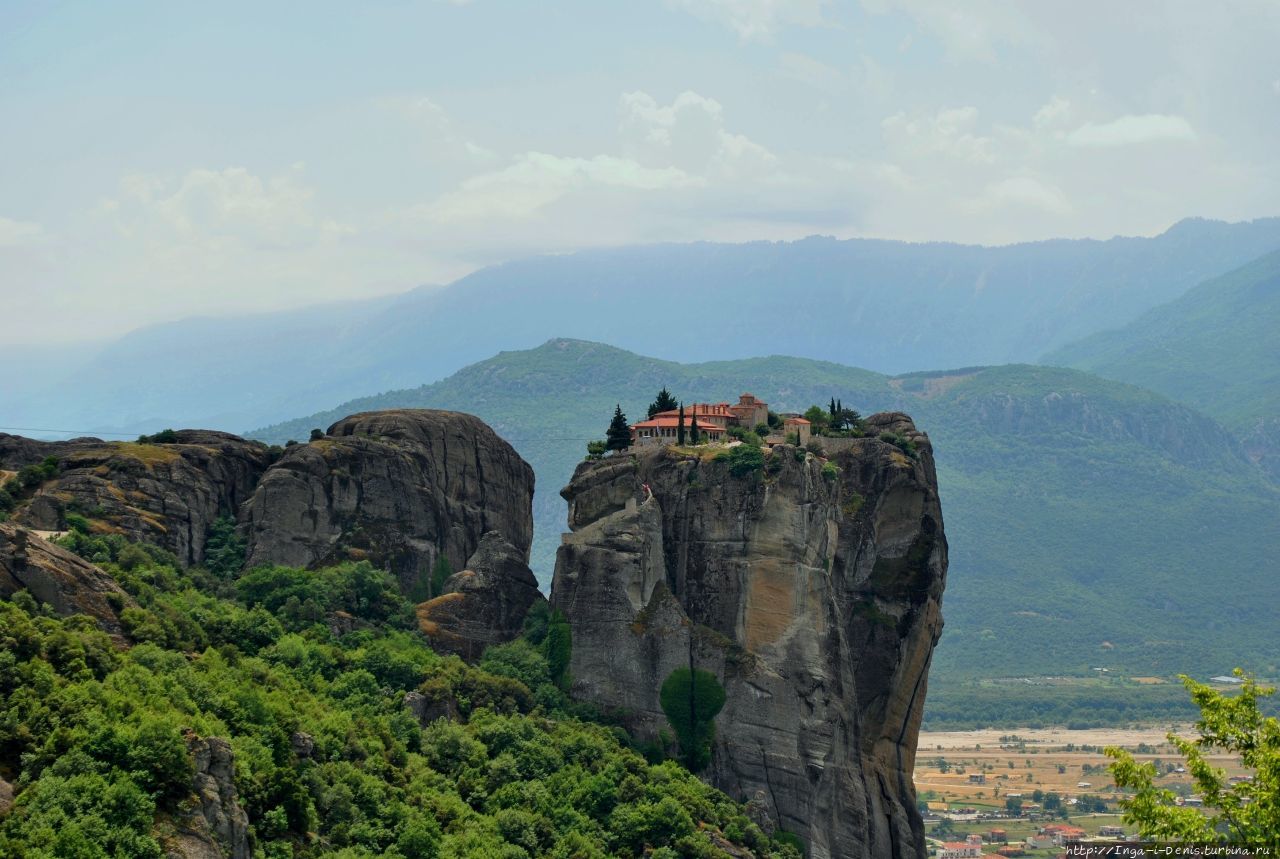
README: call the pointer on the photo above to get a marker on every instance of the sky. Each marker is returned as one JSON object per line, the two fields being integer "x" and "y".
{"x": 161, "y": 160}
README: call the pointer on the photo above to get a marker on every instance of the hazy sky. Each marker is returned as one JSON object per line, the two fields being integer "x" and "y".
{"x": 164, "y": 159}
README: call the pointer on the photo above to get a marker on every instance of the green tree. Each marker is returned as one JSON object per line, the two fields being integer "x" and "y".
{"x": 558, "y": 648}
{"x": 664, "y": 402}
{"x": 818, "y": 418}
{"x": 1246, "y": 812}
{"x": 618, "y": 436}
{"x": 224, "y": 549}
{"x": 692, "y": 698}
{"x": 680, "y": 427}
{"x": 440, "y": 574}
{"x": 1013, "y": 805}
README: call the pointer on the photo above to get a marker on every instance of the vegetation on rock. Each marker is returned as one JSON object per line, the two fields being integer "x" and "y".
{"x": 508, "y": 769}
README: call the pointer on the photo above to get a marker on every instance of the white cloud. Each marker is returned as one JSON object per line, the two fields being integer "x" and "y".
{"x": 756, "y": 19}
{"x": 949, "y": 132}
{"x": 689, "y": 134}
{"x": 219, "y": 206}
{"x": 19, "y": 233}
{"x": 1132, "y": 129}
{"x": 535, "y": 180}
{"x": 1054, "y": 114}
{"x": 441, "y": 137}
{"x": 1023, "y": 191}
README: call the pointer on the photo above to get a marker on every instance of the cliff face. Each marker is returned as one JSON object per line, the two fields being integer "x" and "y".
{"x": 401, "y": 488}
{"x": 165, "y": 494}
{"x": 811, "y": 589}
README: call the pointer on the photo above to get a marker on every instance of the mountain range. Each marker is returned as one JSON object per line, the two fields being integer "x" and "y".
{"x": 889, "y": 306}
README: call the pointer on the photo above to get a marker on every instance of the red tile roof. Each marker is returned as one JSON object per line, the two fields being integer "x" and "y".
{"x": 660, "y": 421}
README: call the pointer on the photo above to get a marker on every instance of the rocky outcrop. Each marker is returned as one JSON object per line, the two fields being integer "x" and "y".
{"x": 51, "y": 574}
{"x": 484, "y": 604}
{"x": 810, "y": 588}
{"x": 400, "y": 488}
{"x": 214, "y": 826}
{"x": 166, "y": 494}
{"x": 6, "y": 797}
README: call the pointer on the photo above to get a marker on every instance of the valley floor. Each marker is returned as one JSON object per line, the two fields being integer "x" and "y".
{"x": 969, "y": 776}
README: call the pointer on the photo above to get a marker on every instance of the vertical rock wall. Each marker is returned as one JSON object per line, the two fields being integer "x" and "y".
{"x": 810, "y": 588}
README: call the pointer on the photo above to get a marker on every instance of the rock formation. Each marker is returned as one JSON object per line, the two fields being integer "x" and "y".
{"x": 484, "y": 604}
{"x": 810, "y": 588}
{"x": 400, "y": 488}
{"x": 67, "y": 582}
{"x": 165, "y": 494}
{"x": 214, "y": 825}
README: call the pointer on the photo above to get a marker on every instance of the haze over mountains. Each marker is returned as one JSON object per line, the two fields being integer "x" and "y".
{"x": 887, "y": 306}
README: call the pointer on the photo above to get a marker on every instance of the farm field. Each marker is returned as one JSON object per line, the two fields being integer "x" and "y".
{"x": 981, "y": 770}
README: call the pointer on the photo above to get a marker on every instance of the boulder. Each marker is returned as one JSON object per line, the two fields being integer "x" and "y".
{"x": 51, "y": 574}
{"x": 484, "y": 604}
{"x": 400, "y": 488}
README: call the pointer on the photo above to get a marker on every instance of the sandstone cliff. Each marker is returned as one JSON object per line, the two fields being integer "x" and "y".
{"x": 401, "y": 488}
{"x": 811, "y": 589}
{"x": 67, "y": 582}
{"x": 164, "y": 494}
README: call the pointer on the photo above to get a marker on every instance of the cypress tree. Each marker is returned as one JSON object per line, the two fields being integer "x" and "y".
{"x": 618, "y": 436}
{"x": 663, "y": 403}
{"x": 831, "y": 409}
{"x": 680, "y": 427}
{"x": 693, "y": 425}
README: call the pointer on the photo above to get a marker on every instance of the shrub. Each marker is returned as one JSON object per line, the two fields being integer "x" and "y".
{"x": 165, "y": 436}
{"x": 743, "y": 460}
{"x": 830, "y": 471}
{"x": 901, "y": 442}
{"x": 77, "y": 523}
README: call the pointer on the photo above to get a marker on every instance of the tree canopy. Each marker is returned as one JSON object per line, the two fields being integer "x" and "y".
{"x": 692, "y": 698}
{"x": 664, "y": 402}
{"x": 1242, "y": 812}
{"x": 618, "y": 436}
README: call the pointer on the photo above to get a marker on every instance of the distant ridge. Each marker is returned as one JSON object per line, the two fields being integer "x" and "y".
{"x": 889, "y": 306}
{"x": 1216, "y": 348}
